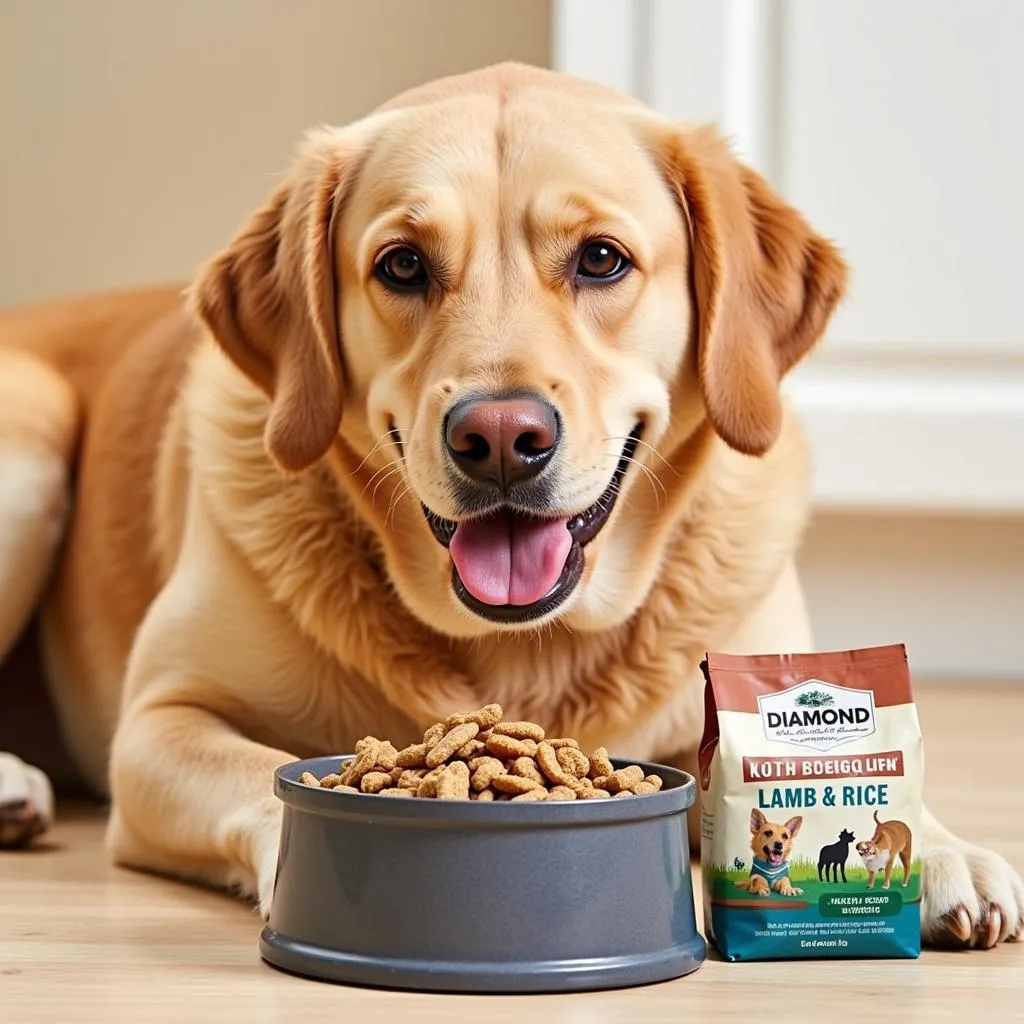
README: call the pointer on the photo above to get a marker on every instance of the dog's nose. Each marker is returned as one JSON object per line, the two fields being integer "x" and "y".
{"x": 503, "y": 440}
{"x": 777, "y": 845}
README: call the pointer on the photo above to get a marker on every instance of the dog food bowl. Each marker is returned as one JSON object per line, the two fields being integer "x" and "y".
{"x": 461, "y": 896}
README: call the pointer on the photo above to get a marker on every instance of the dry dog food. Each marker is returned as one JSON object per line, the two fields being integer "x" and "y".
{"x": 477, "y": 756}
{"x": 811, "y": 775}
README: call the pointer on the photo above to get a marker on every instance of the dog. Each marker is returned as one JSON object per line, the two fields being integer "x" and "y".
{"x": 771, "y": 844}
{"x": 892, "y": 841}
{"x": 834, "y": 856}
{"x": 738, "y": 863}
{"x": 482, "y": 404}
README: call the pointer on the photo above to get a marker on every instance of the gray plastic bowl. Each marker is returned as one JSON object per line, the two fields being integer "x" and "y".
{"x": 460, "y": 896}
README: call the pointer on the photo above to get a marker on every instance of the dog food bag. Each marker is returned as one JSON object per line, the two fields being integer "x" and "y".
{"x": 811, "y": 772}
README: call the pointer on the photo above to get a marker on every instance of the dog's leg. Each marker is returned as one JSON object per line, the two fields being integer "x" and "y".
{"x": 192, "y": 790}
{"x": 784, "y": 887}
{"x": 906, "y": 860}
{"x": 871, "y": 878}
{"x": 194, "y": 798}
{"x": 842, "y": 868}
{"x": 755, "y": 885}
{"x": 970, "y": 896}
{"x": 37, "y": 435}
{"x": 889, "y": 868}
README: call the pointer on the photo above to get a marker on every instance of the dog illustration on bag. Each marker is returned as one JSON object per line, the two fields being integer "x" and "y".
{"x": 892, "y": 840}
{"x": 738, "y": 863}
{"x": 771, "y": 845}
{"x": 834, "y": 856}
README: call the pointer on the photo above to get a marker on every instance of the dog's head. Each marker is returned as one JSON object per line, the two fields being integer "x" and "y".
{"x": 846, "y": 836}
{"x": 772, "y": 842}
{"x": 505, "y": 303}
{"x": 867, "y": 849}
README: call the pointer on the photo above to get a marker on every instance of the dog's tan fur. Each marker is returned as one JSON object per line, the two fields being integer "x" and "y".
{"x": 248, "y": 576}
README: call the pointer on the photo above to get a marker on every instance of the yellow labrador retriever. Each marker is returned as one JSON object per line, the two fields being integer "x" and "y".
{"x": 482, "y": 405}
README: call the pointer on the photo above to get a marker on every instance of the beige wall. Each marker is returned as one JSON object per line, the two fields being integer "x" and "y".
{"x": 136, "y": 134}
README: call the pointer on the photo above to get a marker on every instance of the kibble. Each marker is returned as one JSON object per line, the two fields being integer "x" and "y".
{"x": 476, "y": 756}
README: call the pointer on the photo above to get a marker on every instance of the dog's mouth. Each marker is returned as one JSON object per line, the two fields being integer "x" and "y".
{"x": 773, "y": 857}
{"x": 510, "y": 566}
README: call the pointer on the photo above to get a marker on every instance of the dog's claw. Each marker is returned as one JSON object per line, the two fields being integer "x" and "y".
{"x": 959, "y": 921}
{"x": 989, "y": 935}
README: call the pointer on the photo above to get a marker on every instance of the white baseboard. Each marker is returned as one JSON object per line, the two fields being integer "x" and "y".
{"x": 922, "y": 433}
{"x": 952, "y": 589}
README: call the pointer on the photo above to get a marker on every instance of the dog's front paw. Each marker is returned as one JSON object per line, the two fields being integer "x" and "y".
{"x": 971, "y": 898}
{"x": 26, "y": 802}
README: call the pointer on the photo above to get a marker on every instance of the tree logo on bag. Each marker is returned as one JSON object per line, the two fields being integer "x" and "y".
{"x": 814, "y": 699}
{"x": 817, "y": 715}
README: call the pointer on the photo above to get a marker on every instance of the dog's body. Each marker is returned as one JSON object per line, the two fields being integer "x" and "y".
{"x": 771, "y": 844}
{"x": 892, "y": 841}
{"x": 247, "y": 573}
{"x": 834, "y": 856}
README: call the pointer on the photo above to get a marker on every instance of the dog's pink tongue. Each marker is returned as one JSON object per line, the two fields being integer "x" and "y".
{"x": 508, "y": 559}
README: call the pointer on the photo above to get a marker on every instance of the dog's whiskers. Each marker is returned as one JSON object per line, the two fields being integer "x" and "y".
{"x": 392, "y": 467}
{"x": 382, "y": 442}
{"x": 650, "y": 447}
{"x": 656, "y": 485}
{"x": 394, "y": 503}
{"x": 392, "y": 472}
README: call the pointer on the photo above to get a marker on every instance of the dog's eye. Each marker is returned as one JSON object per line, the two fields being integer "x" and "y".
{"x": 601, "y": 261}
{"x": 769, "y": 834}
{"x": 785, "y": 835}
{"x": 403, "y": 269}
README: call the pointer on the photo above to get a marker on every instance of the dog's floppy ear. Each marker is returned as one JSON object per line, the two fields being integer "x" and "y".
{"x": 764, "y": 282}
{"x": 793, "y": 826}
{"x": 757, "y": 820}
{"x": 270, "y": 301}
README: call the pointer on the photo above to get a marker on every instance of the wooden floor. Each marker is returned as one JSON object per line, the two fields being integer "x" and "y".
{"x": 82, "y": 942}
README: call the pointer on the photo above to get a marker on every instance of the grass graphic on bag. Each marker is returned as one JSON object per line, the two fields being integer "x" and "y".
{"x": 811, "y": 772}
